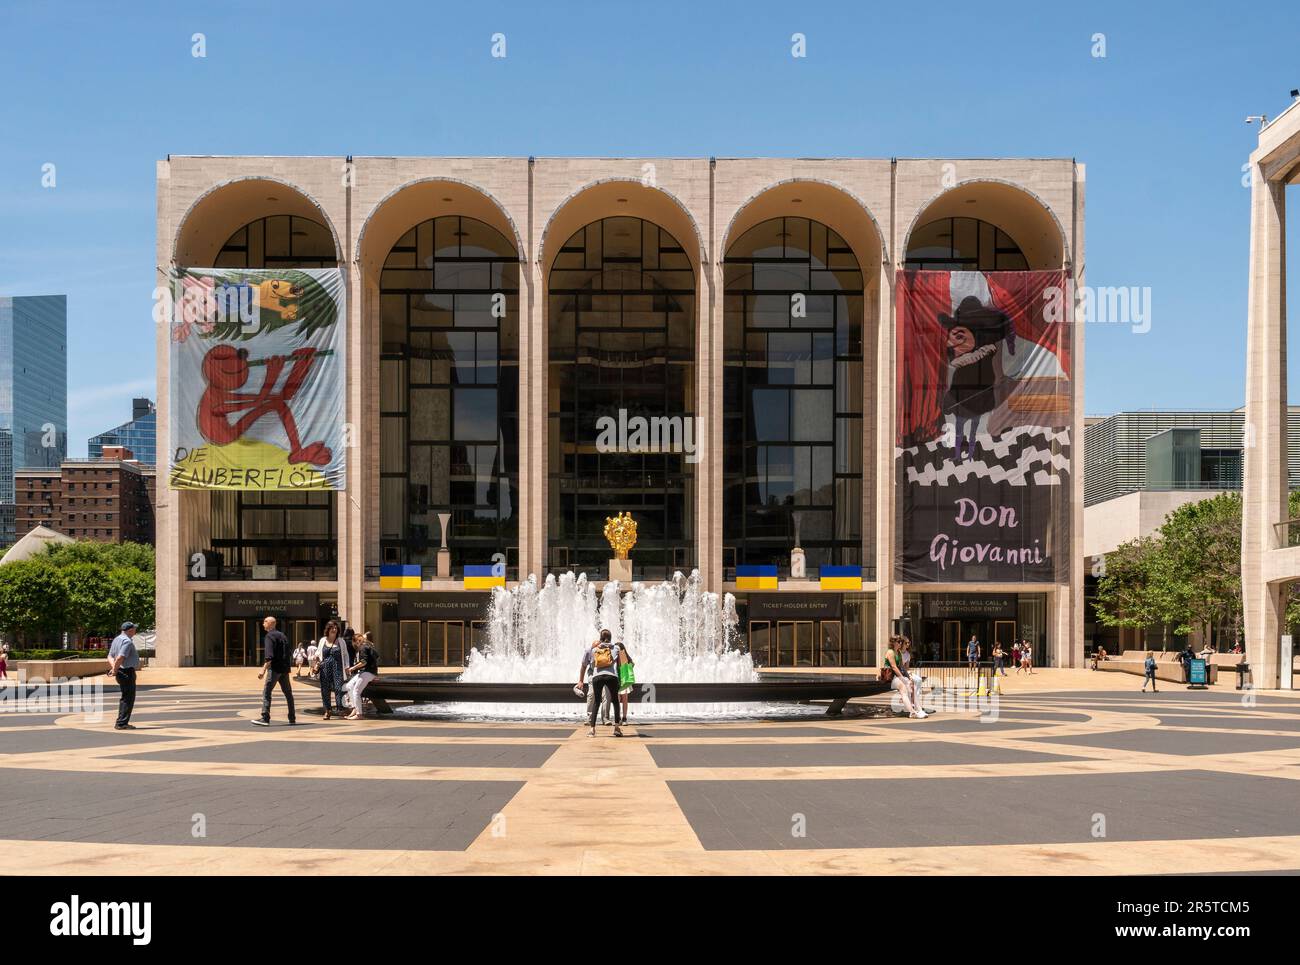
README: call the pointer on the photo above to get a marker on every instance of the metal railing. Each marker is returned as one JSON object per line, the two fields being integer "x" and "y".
{"x": 428, "y": 572}
{"x": 214, "y": 568}
{"x": 955, "y": 676}
{"x": 1288, "y": 533}
{"x": 813, "y": 572}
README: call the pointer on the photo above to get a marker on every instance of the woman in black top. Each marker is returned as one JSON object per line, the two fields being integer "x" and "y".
{"x": 365, "y": 669}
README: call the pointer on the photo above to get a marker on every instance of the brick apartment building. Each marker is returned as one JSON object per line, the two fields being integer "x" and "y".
{"x": 109, "y": 500}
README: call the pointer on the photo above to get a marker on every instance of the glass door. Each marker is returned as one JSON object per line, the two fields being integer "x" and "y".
{"x": 832, "y": 635}
{"x": 455, "y": 653}
{"x": 952, "y": 641}
{"x": 784, "y": 644}
{"x": 235, "y": 634}
{"x": 304, "y": 633}
{"x": 760, "y": 642}
{"x": 794, "y": 643}
{"x": 409, "y": 643}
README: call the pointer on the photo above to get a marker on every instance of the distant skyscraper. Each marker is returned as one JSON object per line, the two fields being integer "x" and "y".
{"x": 33, "y": 391}
{"x": 140, "y": 435}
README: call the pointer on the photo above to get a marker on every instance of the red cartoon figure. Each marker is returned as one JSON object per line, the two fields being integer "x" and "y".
{"x": 226, "y": 369}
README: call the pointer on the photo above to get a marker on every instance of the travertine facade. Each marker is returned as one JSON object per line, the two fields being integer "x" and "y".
{"x": 1270, "y": 556}
{"x": 369, "y": 202}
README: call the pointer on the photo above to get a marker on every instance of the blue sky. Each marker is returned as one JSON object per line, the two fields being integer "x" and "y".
{"x": 104, "y": 91}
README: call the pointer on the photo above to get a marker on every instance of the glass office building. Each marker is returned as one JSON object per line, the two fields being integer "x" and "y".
{"x": 140, "y": 435}
{"x": 33, "y": 392}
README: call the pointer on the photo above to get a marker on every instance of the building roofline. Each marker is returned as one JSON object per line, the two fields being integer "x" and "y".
{"x": 612, "y": 157}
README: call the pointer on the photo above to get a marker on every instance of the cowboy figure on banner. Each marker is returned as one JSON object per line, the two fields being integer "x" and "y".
{"x": 976, "y": 383}
{"x": 232, "y": 429}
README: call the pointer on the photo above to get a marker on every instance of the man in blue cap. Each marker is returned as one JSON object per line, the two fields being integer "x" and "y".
{"x": 123, "y": 662}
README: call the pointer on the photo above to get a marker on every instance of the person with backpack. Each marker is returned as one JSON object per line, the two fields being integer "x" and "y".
{"x": 364, "y": 670}
{"x": 603, "y": 659}
{"x": 1150, "y": 667}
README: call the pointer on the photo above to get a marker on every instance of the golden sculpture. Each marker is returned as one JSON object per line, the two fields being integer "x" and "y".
{"x": 620, "y": 531}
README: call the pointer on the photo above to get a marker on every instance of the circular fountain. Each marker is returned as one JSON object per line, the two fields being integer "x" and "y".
{"x": 683, "y": 639}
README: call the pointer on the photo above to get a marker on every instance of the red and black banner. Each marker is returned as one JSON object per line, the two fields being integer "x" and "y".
{"x": 985, "y": 402}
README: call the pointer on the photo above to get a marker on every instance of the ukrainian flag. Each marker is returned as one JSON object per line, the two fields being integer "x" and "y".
{"x": 756, "y": 577}
{"x": 399, "y": 576}
{"x": 483, "y": 577}
{"x": 841, "y": 577}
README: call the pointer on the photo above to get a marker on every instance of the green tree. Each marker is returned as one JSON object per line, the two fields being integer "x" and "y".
{"x": 137, "y": 556}
{"x": 1200, "y": 544}
{"x": 89, "y": 606}
{"x": 133, "y": 597}
{"x": 33, "y": 598}
{"x": 1128, "y": 590}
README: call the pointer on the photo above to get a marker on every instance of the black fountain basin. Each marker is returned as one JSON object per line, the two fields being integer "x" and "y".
{"x": 838, "y": 689}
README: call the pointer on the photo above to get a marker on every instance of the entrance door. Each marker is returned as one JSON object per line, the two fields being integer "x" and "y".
{"x": 952, "y": 643}
{"x": 409, "y": 654}
{"x": 1004, "y": 632}
{"x": 831, "y": 638}
{"x": 794, "y": 643}
{"x": 760, "y": 642}
{"x": 304, "y": 633}
{"x": 235, "y": 634}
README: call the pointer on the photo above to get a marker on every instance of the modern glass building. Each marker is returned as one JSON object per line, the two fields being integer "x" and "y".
{"x": 140, "y": 435}
{"x": 33, "y": 392}
{"x": 503, "y": 313}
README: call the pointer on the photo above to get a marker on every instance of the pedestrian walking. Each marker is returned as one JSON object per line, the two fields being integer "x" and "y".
{"x": 313, "y": 659}
{"x": 1150, "y": 668}
{"x": 973, "y": 652}
{"x": 123, "y": 663}
{"x": 364, "y": 670}
{"x": 299, "y": 660}
{"x": 275, "y": 669}
{"x": 331, "y": 668}
{"x": 602, "y": 657}
{"x": 999, "y": 658}
{"x": 1026, "y": 656}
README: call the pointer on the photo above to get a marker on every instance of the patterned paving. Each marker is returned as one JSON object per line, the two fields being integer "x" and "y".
{"x": 1077, "y": 781}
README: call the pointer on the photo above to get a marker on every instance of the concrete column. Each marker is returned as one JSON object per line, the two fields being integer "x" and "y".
{"x": 175, "y": 644}
{"x": 363, "y": 423}
{"x": 534, "y": 424}
{"x": 889, "y": 600}
{"x": 1264, "y": 496}
{"x": 710, "y": 359}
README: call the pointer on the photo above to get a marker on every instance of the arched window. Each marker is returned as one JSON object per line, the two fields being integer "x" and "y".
{"x": 963, "y": 244}
{"x": 622, "y": 354}
{"x": 792, "y": 416}
{"x": 449, "y": 394}
{"x": 280, "y": 241}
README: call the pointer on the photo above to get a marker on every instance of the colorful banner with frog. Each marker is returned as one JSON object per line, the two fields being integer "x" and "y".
{"x": 257, "y": 379}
